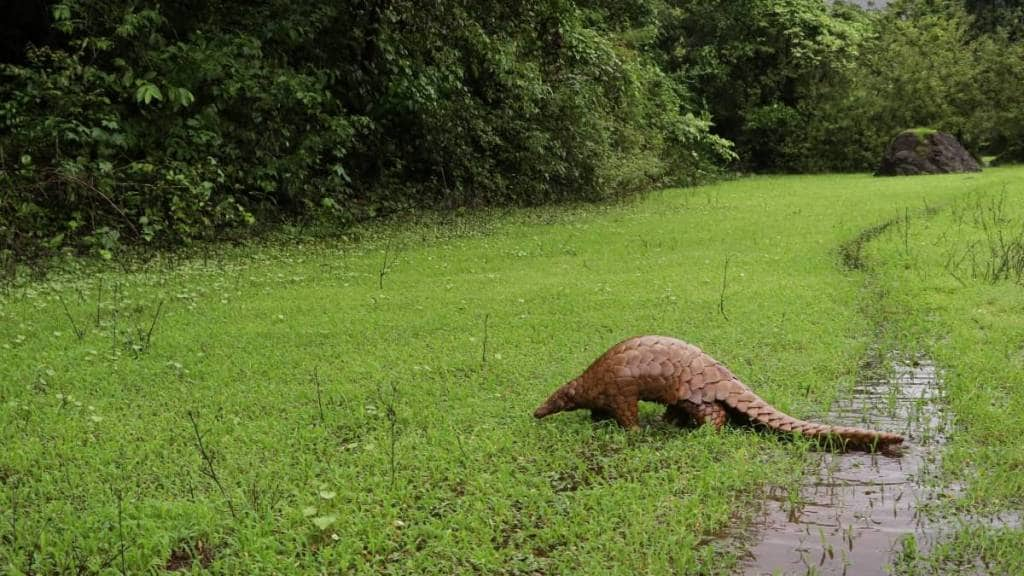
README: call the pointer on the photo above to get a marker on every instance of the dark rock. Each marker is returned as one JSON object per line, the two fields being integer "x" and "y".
{"x": 926, "y": 152}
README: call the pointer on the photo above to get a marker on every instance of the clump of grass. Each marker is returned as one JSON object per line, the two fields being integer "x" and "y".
{"x": 921, "y": 132}
{"x": 390, "y": 402}
{"x": 995, "y": 252}
{"x": 209, "y": 469}
{"x": 79, "y": 332}
{"x": 319, "y": 397}
{"x": 387, "y": 262}
{"x": 138, "y": 341}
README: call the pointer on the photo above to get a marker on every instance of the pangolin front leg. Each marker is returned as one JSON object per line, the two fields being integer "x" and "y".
{"x": 691, "y": 383}
{"x": 626, "y": 413}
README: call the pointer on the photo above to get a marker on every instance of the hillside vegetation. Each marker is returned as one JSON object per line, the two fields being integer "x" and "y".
{"x": 150, "y": 125}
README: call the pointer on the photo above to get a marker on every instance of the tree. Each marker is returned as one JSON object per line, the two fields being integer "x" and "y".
{"x": 754, "y": 62}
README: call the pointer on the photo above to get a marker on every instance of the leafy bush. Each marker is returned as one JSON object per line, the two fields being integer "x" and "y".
{"x": 163, "y": 125}
{"x": 924, "y": 65}
{"x": 758, "y": 63}
{"x": 143, "y": 123}
{"x": 127, "y": 133}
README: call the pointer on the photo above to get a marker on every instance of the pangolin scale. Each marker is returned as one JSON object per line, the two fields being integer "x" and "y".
{"x": 694, "y": 386}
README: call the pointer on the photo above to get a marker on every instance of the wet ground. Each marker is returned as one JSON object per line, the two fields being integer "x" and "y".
{"x": 856, "y": 511}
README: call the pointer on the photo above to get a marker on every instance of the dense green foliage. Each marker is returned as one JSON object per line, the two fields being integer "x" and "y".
{"x": 922, "y": 66}
{"x": 171, "y": 123}
{"x": 758, "y": 64}
{"x": 802, "y": 87}
{"x": 125, "y": 121}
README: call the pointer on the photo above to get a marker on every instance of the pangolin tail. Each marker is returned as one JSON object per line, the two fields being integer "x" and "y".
{"x": 758, "y": 411}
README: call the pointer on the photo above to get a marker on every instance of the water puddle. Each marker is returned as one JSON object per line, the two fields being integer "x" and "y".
{"x": 855, "y": 509}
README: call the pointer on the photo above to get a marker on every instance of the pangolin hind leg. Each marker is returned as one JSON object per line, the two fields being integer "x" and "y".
{"x": 676, "y": 415}
{"x": 706, "y": 412}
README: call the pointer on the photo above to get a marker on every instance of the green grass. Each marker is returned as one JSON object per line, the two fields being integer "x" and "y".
{"x": 426, "y": 459}
{"x": 921, "y": 133}
{"x": 954, "y": 285}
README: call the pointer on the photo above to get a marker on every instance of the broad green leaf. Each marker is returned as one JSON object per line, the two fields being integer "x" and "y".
{"x": 324, "y": 522}
{"x": 147, "y": 92}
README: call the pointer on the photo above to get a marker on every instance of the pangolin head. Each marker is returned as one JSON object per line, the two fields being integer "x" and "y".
{"x": 561, "y": 400}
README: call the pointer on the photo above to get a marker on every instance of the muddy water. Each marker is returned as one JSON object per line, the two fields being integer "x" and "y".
{"x": 855, "y": 510}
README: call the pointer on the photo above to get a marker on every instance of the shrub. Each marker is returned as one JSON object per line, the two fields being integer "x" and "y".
{"x": 163, "y": 125}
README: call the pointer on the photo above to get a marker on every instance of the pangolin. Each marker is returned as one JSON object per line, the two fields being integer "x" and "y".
{"x": 694, "y": 386}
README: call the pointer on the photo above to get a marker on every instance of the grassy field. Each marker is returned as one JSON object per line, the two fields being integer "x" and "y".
{"x": 952, "y": 286}
{"x": 363, "y": 405}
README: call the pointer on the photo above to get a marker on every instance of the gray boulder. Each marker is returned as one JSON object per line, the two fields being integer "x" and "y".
{"x": 924, "y": 151}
